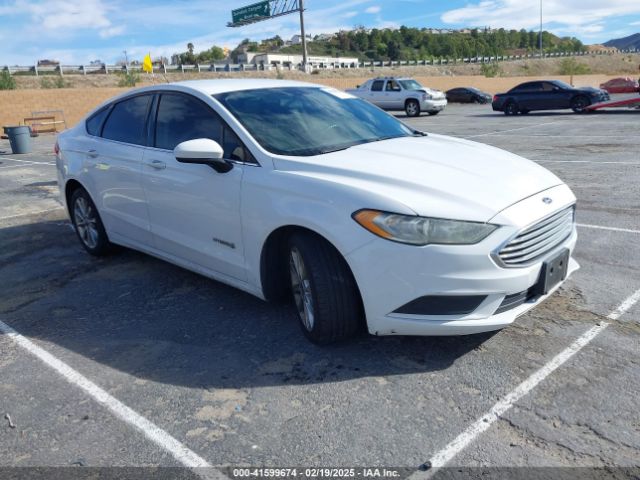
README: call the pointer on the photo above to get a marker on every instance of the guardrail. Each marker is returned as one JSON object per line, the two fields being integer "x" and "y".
{"x": 241, "y": 67}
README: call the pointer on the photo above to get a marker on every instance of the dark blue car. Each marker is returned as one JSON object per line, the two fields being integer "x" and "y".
{"x": 547, "y": 95}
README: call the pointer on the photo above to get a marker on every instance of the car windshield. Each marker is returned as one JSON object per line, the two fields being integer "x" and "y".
{"x": 304, "y": 121}
{"x": 410, "y": 85}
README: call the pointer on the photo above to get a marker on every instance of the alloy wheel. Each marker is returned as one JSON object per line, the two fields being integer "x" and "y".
{"x": 301, "y": 288}
{"x": 86, "y": 222}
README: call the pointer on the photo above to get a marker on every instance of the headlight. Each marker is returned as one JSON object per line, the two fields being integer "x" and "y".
{"x": 422, "y": 230}
{"x": 426, "y": 96}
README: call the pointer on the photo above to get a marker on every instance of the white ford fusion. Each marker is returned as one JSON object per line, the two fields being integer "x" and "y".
{"x": 286, "y": 188}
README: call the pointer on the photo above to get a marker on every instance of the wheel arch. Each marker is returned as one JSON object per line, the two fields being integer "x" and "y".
{"x": 71, "y": 186}
{"x": 273, "y": 271}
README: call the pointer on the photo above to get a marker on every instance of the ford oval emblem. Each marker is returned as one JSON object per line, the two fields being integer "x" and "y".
{"x": 547, "y": 200}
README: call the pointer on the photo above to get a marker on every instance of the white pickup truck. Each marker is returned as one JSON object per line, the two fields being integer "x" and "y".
{"x": 391, "y": 93}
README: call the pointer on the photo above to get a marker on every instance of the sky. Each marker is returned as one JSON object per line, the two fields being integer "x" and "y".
{"x": 79, "y": 31}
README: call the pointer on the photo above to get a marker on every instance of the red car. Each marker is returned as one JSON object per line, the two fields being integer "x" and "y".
{"x": 621, "y": 85}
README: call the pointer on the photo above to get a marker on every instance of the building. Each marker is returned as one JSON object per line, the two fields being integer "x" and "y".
{"x": 278, "y": 60}
{"x": 297, "y": 39}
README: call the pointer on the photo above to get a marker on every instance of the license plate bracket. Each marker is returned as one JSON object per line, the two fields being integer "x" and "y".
{"x": 553, "y": 272}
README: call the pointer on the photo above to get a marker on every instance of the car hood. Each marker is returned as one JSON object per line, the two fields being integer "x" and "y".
{"x": 433, "y": 176}
{"x": 435, "y": 94}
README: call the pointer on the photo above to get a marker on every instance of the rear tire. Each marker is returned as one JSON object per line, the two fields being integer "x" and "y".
{"x": 88, "y": 224}
{"x": 324, "y": 291}
{"x": 580, "y": 103}
{"x": 412, "y": 108}
{"x": 511, "y": 108}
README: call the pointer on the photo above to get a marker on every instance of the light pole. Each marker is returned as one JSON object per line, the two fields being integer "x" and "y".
{"x": 304, "y": 37}
{"x": 540, "y": 39}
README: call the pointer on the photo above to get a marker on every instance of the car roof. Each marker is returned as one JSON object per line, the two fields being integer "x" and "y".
{"x": 223, "y": 85}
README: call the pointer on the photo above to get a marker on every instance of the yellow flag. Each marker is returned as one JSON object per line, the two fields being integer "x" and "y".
{"x": 147, "y": 65}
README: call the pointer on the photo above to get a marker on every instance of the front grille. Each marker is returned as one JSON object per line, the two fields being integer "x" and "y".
{"x": 539, "y": 239}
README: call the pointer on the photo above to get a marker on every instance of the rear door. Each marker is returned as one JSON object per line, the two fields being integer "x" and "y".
{"x": 376, "y": 94}
{"x": 195, "y": 211}
{"x": 529, "y": 96}
{"x": 114, "y": 162}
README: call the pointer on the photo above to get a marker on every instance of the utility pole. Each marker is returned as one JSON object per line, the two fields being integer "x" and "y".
{"x": 540, "y": 39}
{"x": 304, "y": 37}
{"x": 126, "y": 58}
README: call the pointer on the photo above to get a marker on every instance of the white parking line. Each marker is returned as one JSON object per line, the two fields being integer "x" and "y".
{"x": 613, "y": 229}
{"x": 444, "y": 456}
{"x": 512, "y": 129}
{"x": 587, "y": 161}
{"x": 28, "y": 214}
{"x": 25, "y": 165}
{"x": 26, "y": 161}
{"x": 154, "y": 433}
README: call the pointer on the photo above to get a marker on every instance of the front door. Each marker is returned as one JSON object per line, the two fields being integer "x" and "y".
{"x": 194, "y": 211}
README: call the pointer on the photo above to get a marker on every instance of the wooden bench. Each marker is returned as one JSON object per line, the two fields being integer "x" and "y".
{"x": 48, "y": 122}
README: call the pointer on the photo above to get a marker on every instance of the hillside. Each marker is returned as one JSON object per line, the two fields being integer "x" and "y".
{"x": 407, "y": 43}
{"x": 630, "y": 42}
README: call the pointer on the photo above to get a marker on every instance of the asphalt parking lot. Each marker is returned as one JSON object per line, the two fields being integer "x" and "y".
{"x": 233, "y": 381}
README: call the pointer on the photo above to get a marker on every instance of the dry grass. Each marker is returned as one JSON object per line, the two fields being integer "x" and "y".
{"x": 610, "y": 65}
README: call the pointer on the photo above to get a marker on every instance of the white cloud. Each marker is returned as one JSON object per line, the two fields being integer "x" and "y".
{"x": 373, "y": 9}
{"x": 66, "y": 14}
{"x": 112, "y": 31}
{"x": 574, "y": 14}
{"x": 349, "y": 14}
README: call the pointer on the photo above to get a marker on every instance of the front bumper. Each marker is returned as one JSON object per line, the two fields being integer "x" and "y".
{"x": 391, "y": 275}
{"x": 433, "y": 105}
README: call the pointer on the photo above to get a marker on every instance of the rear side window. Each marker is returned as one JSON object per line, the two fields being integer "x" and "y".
{"x": 377, "y": 86}
{"x": 181, "y": 118}
{"x": 126, "y": 123}
{"x": 94, "y": 124}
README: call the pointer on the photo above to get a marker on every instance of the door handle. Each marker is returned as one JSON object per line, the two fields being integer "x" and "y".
{"x": 157, "y": 164}
{"x": 92, "y": 154}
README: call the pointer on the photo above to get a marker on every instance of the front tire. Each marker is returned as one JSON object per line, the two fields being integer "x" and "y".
{"x": 580, "y": 104}
{"x": 88, "y": 224}
{"x": 324, "y": 291}
{"x": 412, "y": 108}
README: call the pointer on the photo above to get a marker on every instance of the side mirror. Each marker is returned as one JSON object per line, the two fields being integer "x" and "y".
{"x": 202, "y": 151}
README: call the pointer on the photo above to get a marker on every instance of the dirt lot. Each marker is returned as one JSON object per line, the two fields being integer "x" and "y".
{"x": 233, "y": 381}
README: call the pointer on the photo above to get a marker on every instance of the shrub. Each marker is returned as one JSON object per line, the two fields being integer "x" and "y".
{"x": 490, "y": 70}
{"x": 570, "y": 66}
{"x": 128, "y": 79}
{"x": 7, "y": 82}
{"x": 57, "y": 82}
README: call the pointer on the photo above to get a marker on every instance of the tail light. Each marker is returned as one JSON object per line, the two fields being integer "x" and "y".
{"x": 495, "y": 98}
{"x": 56, "y": 149}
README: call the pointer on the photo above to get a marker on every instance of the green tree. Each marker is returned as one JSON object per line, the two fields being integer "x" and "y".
{"x": 7, "y": 82}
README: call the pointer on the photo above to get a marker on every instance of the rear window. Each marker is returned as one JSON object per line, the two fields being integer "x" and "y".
{"x": 126, "y": 123}
{"x": 377, "y": 86}
{"x": 94, "y": 124}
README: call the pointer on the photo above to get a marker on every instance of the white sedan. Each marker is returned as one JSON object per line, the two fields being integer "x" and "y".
{"x": 288, "y": 189}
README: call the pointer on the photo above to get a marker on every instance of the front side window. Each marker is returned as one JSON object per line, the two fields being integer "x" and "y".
{"x": 304, "y": 121}
{"x": 126, "y": 122}
{"x": 392, "y": 86}
{"x": 181, "y": 118}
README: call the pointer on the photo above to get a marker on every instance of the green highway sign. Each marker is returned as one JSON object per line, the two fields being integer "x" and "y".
{"x": 250, "y": 12}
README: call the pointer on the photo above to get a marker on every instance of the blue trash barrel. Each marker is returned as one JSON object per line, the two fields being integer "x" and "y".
{"x": 19, "y": 138}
